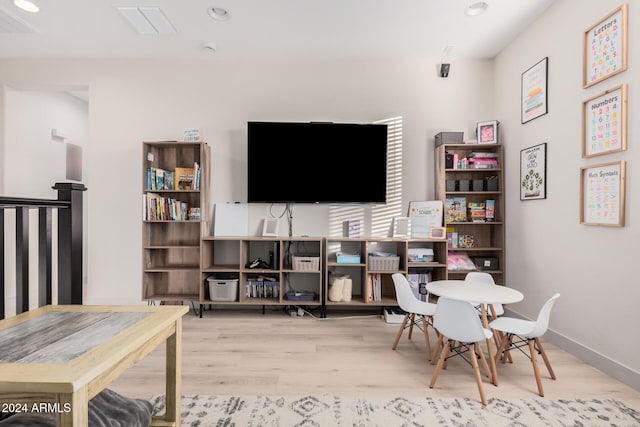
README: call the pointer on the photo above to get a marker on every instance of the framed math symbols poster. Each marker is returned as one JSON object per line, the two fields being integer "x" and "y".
{"x": 602, "y": 189}
{"x": 534, "y": 91}
{"x": 533, "y": 172}
{"x": 604, "y": 122}
{"x": 605, "y": 47}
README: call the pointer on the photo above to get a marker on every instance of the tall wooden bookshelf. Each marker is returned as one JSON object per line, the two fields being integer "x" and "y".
{"x": 172, "y": 229}
{"x": 475, "y": 185}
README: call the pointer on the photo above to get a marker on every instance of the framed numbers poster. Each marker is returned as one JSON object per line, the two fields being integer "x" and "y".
{"x": 605, "y": 47}
{"x": 602, "y": 189}
{"x": 604, "y": 122}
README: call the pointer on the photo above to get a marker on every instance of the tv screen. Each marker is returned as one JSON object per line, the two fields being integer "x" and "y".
{"x": 290, "y": 162}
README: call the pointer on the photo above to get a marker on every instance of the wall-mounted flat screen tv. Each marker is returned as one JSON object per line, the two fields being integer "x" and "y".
{"x": 316, "y": 162}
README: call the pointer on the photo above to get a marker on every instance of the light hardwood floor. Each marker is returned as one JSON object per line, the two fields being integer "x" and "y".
{"x": 245, "y": 352}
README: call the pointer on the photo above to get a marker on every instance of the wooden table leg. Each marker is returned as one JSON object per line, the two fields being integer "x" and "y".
{"x": 492, "y": 362}
{"x": 74, "y": 408}
{"x": 174, "y": 375}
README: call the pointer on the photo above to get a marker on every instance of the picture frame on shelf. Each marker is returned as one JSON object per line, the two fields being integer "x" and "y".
{"x": 270, "y": 227}
{"x": 534, "y": 91}
{"x": 602, "y": 194}
{"x": 533, "y": 172}
{"x": 487, "y": 132}
{"x": 401, "y": 226}
{"x": 605, "y": 47}
{"x": 604, "y": 122}
{"x": 424, "y": 215}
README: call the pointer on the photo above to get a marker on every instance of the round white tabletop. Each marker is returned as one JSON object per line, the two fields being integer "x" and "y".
{"x": 484, "y": 293}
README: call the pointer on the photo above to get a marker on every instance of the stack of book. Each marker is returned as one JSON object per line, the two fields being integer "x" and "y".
{"x": 477, "y": 212}
{"x": 482, "y": 160}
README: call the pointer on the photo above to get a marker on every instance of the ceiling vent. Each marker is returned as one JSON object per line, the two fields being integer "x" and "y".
{"x": 147, "y": 19}
{"x": 12, "y": 24}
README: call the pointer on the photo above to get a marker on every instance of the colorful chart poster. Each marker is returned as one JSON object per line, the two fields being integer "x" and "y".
{"x": 534, "y": 91}
{"x": 603, "y": 194}
{"x": 604, "y": 118}
{"x": 605, "y": 50}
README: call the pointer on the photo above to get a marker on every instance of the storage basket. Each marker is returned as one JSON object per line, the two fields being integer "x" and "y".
{"x": 384, "y": 262}
{"x": 306, "y": 263}
{"x": 223, "y": 290}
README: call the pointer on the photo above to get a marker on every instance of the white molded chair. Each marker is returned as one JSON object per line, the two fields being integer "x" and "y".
{"x": 412, "y": 307}
{"x": 482, "y": 277}
{"x": 458, "y": 323}
{"x": 526, "y": 332}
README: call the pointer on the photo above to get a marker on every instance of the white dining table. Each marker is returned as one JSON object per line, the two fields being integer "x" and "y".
{"x": 485, "y": 294}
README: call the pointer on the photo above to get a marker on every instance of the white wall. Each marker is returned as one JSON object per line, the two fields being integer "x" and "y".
{"x": 134, "y": 101}
{"x": 548, "y": 250}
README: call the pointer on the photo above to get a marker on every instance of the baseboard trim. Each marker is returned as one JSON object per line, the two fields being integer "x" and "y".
{"x": 599, "y": 361}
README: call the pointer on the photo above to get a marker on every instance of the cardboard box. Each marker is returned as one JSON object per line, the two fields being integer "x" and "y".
{"x": 451, "y": 185}
{"x": 449, "y": 138}
{"x": 477, "y": 185}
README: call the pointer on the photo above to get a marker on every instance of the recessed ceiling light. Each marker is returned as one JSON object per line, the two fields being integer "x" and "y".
{"x": 476, "y": 9}
{"x": 218, "y": 13}
{"x": 26, "y": 6}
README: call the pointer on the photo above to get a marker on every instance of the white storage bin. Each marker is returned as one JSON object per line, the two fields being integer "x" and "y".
{"x": 384, "y": 262}
{"x": 223, "y": 290}
{"x": 306, "y": 263}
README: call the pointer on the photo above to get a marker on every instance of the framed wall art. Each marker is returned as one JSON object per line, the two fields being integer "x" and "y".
{"x": 487, "y": 132}
{"x": 533, "y": 172}
{"x": 605, "y": 47}
{"x": 534, "y": 91}
{"x": 604, "y": 122}
{"x": 602, "y": 193}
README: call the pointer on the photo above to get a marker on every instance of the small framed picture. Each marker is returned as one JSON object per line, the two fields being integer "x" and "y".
{"x": 401, "y": 226}
{"x": 487, "y": 132}
{"x": 270, "y": 227}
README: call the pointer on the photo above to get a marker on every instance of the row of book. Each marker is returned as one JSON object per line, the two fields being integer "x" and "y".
{"x": 262, "y": 288}
{"x": 374, "y": 287}
{"x": 458, "y": 210}
{"x": 171, "y": 180}
{"x": 156, "y": 207}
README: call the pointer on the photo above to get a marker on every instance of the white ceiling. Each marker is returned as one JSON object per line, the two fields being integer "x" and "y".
{"x": 269, "y": 29}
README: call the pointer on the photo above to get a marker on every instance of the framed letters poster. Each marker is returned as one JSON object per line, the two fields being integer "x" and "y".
{"x": 605, "y": 48}
{"x": 604, "y": 122}
{"x": 602, "y": 190}
{"x": 533, "y": 172}
{"x": 534, "y": 91}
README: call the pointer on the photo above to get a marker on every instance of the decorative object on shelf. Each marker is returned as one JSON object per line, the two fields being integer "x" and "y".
{"x": 401, "y": 226}
{"x": 424, "y": 215}
{"x": 487, "y": 132}
{"x": 270, "y": 227}
{"x": 605, "y": 47}
{"x": 534, "y": 91}
{"x": 456, "y": 209}
{"x": 604, "y": 122}
{"x": 437, "y": 233}
{"x": 352, "y": 228}
{"x": 533, "y": 172}
{"x": 602, "y": 193}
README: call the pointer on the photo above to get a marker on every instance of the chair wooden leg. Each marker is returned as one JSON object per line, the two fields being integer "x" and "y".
{"x": 438, "y": 348}
{"x": 443, "y": 356}
{"x": 426, "y": 336}
{"x": 504, "y": 344}
{"x": 413, "y": 322}
{"x": 536, "y": 369}
{"x": 399, "y": 334}
{"x": 485, "y": 365}
{"x": 545, "y": 358}
{"x": 476, "y": 369}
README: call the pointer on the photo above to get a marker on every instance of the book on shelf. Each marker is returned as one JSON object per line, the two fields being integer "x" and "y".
{"x": 456, "y": 209}
{"x": 184, "y": 178}
{"x": 156, "y": 207}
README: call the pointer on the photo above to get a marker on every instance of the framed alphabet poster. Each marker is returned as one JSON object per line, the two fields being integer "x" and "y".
{"x": 605, "y": 47}
{"x": 534, "y": 91}
{"x": 604, "y": 122}
{"x": 533, "y": 172}
{"x": 602, "y": 189}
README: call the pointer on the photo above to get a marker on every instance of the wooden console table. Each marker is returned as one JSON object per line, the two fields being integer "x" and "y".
{"x": 66, "y": 354}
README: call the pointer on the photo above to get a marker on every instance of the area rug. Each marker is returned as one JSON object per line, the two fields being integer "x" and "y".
{"x": 330, "y": 410}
